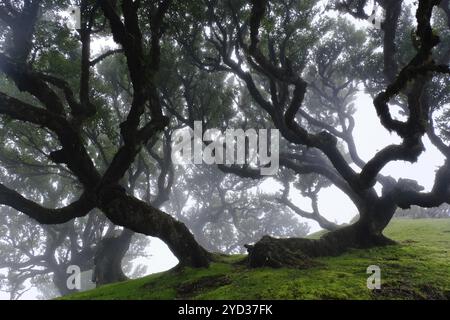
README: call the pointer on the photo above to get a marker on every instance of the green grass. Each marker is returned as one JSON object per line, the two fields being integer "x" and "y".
{"x": 417, "y": 268}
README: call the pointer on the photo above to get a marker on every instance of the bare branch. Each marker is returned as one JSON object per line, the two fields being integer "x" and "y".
{"x": 43, "y": 215}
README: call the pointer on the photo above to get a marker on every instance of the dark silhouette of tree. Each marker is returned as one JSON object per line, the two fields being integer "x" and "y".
{"x": 65, "y": 116}
{"x": 265, "y": 53}
{"x": 418, "y": 212}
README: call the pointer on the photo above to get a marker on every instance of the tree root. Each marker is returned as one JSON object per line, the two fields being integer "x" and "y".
{"x": 299, "y": 252}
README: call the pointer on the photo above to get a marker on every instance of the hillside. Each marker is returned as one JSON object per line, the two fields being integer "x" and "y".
{"x": 417, "y": 268}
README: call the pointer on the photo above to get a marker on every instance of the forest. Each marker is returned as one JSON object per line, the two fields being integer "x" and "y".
{"x": 243, "y": 139}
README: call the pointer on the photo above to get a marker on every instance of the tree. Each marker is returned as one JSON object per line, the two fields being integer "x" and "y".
{"x": 418, "y": 212}
{"x": 254, "y": 38}
{"x": 42, "y": 254}
{"x": 56, "y": 109}
{"x": 87, "y": 241}
{"x": 53, "y": 248}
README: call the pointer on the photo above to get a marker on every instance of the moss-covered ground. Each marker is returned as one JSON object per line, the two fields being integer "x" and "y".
{"x": 417, "y": 268}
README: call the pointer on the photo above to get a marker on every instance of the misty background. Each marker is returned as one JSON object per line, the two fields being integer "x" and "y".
{"x": 188, "y": 204}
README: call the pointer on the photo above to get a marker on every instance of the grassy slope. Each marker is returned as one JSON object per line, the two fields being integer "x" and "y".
{"x": 417, "y": 268}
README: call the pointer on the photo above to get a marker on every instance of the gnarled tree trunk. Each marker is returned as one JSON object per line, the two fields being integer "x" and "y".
{"x": 297, "y": 252}
{"x": 138, "y": 216}
{"x": 108, "y": 258}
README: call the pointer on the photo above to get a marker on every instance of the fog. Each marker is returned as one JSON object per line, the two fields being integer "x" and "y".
{"x": 95, "y": 144}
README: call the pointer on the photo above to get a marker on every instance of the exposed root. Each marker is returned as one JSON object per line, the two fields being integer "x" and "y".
{"x": 299, "y": 252}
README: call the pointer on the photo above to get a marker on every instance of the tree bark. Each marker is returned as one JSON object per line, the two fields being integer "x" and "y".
{"x": 108, "y": 258}
{"x": 298, "y": 252}
{"x": 138, "y": 216}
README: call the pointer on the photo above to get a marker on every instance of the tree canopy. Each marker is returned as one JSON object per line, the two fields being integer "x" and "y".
{"x": 88, "y": 138}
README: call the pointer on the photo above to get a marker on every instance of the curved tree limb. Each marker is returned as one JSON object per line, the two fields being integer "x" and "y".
{"x": 43, "y": 215}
